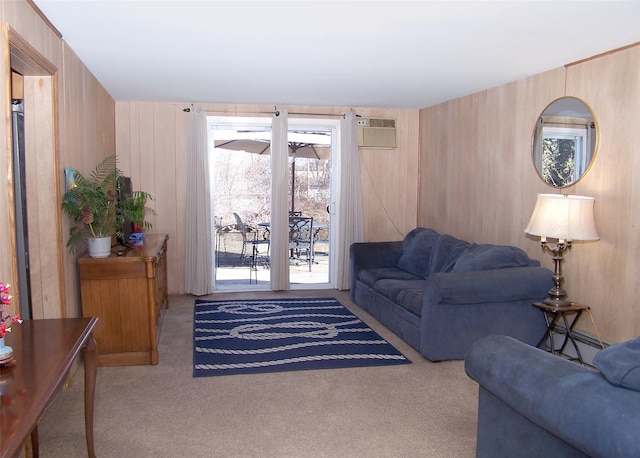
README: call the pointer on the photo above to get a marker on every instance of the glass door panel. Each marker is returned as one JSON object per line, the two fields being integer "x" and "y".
{"x": 309, "y": 198}
{"x": 310, "y": 146}
{"x": 241, "y": 191}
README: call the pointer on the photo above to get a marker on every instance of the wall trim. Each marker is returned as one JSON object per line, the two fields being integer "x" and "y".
{"x": 606, "y": 53}
{"x": 44, "y": 18}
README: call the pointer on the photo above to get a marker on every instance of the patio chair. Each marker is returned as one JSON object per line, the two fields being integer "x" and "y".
{"x": 221, "y": 231}
{"x": 301, "y": 238}
{"x": 260, "y": 244}
{"x": 243, "y": 229}
{"x": 231, "y": 243}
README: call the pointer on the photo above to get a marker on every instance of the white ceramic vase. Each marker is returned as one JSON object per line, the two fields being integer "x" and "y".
{"x": 99, "y": 247}
{"x": 5, "y": 350}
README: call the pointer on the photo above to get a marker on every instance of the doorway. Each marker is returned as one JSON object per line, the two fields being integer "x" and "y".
{"x": 241, "y": 192}
{"x": 20, "y": 195}
{"x": 39, "y": 292}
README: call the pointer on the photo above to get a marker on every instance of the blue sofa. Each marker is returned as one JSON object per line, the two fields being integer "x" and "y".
{"x": 534, "y": 404}
{"x": 440, "y": 294}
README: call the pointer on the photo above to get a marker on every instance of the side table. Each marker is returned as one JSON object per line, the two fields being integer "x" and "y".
{"x": 44, "y": 351}
{"x": 552, "y": 315}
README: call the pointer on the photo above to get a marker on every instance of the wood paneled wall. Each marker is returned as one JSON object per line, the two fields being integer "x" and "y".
{"x": 72, "y": 124}
{"x": 152, "y": 142}
{"x": 389, "y": 180}
{"x": 477, "y": 179}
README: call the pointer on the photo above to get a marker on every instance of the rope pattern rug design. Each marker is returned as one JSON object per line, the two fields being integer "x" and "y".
{"x": 253, "y": 336}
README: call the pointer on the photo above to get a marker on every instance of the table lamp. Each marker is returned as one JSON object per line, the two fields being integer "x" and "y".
{"x": 566, "y": 218}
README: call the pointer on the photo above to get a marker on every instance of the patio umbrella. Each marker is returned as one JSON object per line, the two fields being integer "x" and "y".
{"x": 301, "y": 144}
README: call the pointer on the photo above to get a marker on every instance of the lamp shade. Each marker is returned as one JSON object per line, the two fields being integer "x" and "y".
{"x": 563, "y": 217}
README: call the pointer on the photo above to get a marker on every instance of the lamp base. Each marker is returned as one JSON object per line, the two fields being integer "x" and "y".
{"x": 557, "y": 295}
{"x": 557, "y": 303}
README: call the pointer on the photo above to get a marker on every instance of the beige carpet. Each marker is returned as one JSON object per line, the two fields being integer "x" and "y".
{"x": 422, "y": 409}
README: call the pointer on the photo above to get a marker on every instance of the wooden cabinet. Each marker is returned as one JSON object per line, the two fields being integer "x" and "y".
{"x": 128, "y": 294}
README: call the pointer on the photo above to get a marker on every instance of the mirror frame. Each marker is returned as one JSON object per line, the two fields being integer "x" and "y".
{"x": 595, "y": 143}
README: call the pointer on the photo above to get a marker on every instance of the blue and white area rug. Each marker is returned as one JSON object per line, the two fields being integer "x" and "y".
{"x": 252, "y": 336}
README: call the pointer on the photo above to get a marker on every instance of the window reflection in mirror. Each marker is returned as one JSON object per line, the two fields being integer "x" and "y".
{"x": 564, "y": 142}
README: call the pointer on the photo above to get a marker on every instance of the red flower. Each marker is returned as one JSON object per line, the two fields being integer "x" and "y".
{"x": 5, "y": 299}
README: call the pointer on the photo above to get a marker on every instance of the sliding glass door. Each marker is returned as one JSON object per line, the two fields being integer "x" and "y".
{"x": 241, "y": 171}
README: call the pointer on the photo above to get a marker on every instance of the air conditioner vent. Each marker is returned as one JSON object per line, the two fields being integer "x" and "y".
{"x": 377, "y": 133}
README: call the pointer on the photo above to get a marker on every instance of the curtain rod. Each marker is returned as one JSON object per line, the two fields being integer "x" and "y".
{"x": 275, "y": 112}
{"x": 586, "y": 124}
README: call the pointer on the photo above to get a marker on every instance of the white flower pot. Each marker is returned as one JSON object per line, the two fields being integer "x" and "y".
{"x": 5, "y": 351}
{"x": 99, "y": 247}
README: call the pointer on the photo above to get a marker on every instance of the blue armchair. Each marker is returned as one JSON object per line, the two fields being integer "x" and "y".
{"x": 534, "y": 404}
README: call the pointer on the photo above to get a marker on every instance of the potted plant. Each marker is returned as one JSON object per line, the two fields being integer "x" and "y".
{"x": 90, "y": 203}
{"x": 132, "y": 209}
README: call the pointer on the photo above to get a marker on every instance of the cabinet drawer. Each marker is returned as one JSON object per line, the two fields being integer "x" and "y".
{"x": 96, "y": 270}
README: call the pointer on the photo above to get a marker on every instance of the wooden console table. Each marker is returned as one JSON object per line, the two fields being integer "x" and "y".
{"x": 128, "y": 293}
{"x": 44, "y": 351}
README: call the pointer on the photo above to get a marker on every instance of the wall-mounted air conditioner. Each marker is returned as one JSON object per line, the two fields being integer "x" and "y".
{"x": 377, "y": 133}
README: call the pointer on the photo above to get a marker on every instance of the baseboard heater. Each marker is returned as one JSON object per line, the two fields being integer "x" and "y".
{"x": 589, "y": 346}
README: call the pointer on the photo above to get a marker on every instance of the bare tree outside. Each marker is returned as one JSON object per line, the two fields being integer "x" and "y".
{"x": 558, "y": 161}
{"x": 242, "y": 186}
{"x": 312, "y": 188}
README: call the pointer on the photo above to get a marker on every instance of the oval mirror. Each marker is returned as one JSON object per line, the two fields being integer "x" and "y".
{"x": 564, "y": 142}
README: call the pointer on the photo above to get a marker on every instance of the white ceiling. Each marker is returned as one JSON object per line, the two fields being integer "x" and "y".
{"x": 398, "y": 54}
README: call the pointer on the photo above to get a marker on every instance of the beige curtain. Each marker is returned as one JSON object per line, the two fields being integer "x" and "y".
{"x": 350, "y": 226}
{"x": 198, "y": 236}
{"x": 279, "y": 261}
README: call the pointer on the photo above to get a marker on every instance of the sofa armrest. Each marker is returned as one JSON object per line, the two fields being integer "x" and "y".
{"x": 497, "y": 285}
{"x": 370, "y": 255}
{"x": 569, "y": 401}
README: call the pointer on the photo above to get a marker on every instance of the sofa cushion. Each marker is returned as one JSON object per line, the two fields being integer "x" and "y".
{"x": 485, "y": 257}
{"x": 620, "y": 364}
{"x": 411, "y": 298}
{"x": 445, "y": 252}
{"x": 370, "y": 276}
{"x": 416, "y": 251}
{"x": 391, "y": 288}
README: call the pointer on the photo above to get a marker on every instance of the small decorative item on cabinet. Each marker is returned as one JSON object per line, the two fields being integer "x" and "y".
{"x": 132, "y": 210}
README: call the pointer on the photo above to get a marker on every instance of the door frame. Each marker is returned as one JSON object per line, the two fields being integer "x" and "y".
{"x": 324, "y": 124}
{"x": 43, "y": 191}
